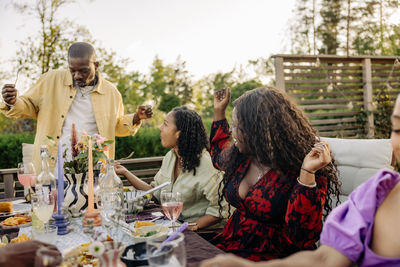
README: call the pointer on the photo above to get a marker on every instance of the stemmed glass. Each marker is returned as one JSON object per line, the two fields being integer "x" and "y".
{"x": 43, "y": 204}
{"x": 26, "y": 174}
{"x": 171, "y": 203}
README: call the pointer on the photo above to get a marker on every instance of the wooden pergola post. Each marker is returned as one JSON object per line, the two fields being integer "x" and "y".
{"x": 368, "y": 104}
{"x": 279, "y": 75}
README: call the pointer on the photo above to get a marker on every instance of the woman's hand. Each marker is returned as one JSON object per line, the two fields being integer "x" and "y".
{"x": 318, "y": 157}
{"x": 119, "y": 169}
{"x": 221, "y": 101}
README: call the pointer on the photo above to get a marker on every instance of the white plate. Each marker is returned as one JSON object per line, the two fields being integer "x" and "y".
{"x": 16, "y": 226}
{"x": 160, "y": 236}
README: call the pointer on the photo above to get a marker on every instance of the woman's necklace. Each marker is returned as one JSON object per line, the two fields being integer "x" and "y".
{"x": 261, "y": 170}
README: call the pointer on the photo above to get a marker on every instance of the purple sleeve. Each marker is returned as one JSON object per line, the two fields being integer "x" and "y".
{"x": 347, "y": 225}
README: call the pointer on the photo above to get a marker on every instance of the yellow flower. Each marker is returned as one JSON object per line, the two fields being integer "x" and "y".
{"x": 81, "y": 145}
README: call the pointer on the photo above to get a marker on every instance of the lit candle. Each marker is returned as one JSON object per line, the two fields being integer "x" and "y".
{"x": 90, "y": 175}
{"x": 60, "y": 178}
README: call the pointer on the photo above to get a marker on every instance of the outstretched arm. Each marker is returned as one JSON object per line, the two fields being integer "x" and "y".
{"x": 133, "y": 179}
{"x": 323, "y": 256}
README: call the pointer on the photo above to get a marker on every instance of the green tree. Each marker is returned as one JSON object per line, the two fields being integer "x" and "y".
{"x": 328, "y": 30}
{"x": 158, "y": 80}
{"x": 170, "y": 79}
{"x": 375, "y": 33}
{"x": 241, "y": 88}
{"x": 302, "y": 28}
{"x": 46, "y": 49}
{"x": 132, "y": 87}
{"x": 168, "y": 102}
{"x": 208, "y": 86}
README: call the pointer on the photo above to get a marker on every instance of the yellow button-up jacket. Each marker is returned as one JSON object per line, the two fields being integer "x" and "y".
{"x": 49, "y": 101}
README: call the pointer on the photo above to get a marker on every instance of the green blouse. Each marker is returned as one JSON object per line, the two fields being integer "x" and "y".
{"x": 199, "y": 192}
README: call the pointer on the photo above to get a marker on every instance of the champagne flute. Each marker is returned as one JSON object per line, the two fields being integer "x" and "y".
{"x": 171, "y": 203}
{"x": 26, "y": 174}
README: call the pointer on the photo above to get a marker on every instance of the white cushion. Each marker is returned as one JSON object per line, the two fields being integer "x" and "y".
{"x": 359, "y": 159}
{"x": 27, "y": 153}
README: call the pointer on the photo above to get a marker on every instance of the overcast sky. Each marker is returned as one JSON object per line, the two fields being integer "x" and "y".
{"x": 211, "y": 35}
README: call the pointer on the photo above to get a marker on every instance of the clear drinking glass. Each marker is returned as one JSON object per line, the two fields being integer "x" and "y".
{"x": 109, "y": 203}
{"x": 47, "y": 257}
{"x": 48, "y": 234}
{"x": 171, "y": 254}
{"x": 171, "y": 203}
{"x": 26, "y": 174}
{"x": 43, "y": 203}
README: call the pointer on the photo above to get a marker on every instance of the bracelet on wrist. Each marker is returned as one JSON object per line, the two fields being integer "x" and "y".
{"x": 310, "y": 172}
{"x": 307, "y": 185}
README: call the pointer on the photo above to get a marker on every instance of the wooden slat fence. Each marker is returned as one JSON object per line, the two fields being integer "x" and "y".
{"x": 337, "y": 93}
{"x": 144, "y": 168}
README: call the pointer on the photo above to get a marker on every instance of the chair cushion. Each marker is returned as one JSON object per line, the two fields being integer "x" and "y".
{"x": 27, "y": 153}
{"x": 359, "y": 159}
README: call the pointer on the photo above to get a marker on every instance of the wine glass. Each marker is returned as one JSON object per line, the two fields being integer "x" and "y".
{"x": 26, "y": 174}
{"x": 43, "y": 203}
{"x": 171, "y": 203}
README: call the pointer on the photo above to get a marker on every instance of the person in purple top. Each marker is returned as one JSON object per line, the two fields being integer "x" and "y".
{"x": 365, "y": 230}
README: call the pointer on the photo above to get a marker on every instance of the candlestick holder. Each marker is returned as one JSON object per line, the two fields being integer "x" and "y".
{"x": 93, "y": 216}
{"x": 62, "y": 223}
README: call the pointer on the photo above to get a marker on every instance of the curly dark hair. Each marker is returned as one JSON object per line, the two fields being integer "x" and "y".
{"x": 192, "y": 139}
{"x": 277, "y": 134}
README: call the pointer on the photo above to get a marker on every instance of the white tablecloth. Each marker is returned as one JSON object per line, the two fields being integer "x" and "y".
{"x": 77, "y": 237}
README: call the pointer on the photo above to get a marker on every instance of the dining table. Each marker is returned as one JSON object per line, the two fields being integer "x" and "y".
{"x": 197, "y": 248}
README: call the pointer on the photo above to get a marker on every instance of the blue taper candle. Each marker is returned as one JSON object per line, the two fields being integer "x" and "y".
{"x": 60, "y": 178}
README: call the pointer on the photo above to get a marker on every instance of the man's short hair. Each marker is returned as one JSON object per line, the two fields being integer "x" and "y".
{"x": 81, "y": 50}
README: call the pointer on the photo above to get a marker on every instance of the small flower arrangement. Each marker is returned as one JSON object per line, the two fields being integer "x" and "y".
{"x": 79, "y": 152}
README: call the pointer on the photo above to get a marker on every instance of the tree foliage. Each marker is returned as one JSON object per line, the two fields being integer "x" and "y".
{"x": 168, "y": 102}
{"x": 351, "y": 27}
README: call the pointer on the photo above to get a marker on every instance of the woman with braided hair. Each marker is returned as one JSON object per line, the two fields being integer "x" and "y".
{"x": 278, "y": 176}
{"x": 189, "y": 168}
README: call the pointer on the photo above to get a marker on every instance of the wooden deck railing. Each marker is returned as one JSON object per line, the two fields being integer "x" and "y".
{"x": 144, "y": 168}
{"x": 339, "y": 94}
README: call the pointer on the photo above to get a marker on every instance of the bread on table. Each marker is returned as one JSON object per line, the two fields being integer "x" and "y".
{"x": 6, "y": 206}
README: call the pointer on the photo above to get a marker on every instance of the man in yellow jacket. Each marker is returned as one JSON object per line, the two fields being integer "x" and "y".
{"x": 79, "y": 95}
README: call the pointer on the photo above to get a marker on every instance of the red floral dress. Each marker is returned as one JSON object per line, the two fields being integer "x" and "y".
{"x": 276, "y": 218}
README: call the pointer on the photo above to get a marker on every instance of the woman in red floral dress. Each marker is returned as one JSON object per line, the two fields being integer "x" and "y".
{"x": 278, "y": 212}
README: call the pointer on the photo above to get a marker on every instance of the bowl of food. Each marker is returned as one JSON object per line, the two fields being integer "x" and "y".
{"x": 135, "y": 255}
{"x": 151, "y": 232}
{"x": 135, "y": 201}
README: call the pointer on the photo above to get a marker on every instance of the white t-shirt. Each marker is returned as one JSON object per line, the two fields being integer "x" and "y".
{"x": 80, "y": 113}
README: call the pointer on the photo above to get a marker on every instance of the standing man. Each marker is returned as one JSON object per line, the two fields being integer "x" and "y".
{"x": 79, "y": 95}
